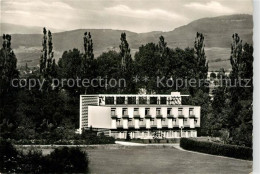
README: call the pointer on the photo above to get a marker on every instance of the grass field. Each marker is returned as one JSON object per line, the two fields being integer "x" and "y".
{"x": 154, "y": 160}
{"x": 161, "y": 160}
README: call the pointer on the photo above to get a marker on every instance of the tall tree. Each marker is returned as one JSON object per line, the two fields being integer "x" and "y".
{"x": 127, "y": 66}
{"x": 202, "y": 64}
{"x": 43, "y": 59}
{"x": 125, "y": 53}
{"x": 88, "y": 64}
{"x": 47, "y": 61}
{"x": 8, "y": 93}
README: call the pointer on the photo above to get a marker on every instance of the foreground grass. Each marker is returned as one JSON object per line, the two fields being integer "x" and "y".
{"x": 161, "y": 160}
{"x": 151, "y": 160}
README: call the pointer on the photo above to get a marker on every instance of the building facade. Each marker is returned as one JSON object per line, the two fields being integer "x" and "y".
{"x": 140, "y": 116}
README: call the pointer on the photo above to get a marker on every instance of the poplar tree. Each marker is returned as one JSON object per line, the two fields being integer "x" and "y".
{"x": 8, "y": 61}
{"x": 127, "y": 66}
{"x": 8, "y": 93}
{"x": 125, "y": 53}
{"x": 88, "y": 62}
{"x": 47, "y": 61}
{"x": 201, "y": 68}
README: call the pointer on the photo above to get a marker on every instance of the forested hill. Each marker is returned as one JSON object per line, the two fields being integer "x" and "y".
{"x": 217, "y": 31}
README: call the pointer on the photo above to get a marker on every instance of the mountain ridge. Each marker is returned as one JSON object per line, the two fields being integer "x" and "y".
{"x": 217, "y": 31}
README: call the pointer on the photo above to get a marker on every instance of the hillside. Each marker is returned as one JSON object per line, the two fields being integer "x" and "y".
{"x": 218, "y": 36}
{"x": 20, "y": 29}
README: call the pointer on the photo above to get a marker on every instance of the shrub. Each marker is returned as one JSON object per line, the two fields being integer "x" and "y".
{"x": 67, "y": 160}
{"x": 8, "y": 157}
{"x": 217, "y": 149}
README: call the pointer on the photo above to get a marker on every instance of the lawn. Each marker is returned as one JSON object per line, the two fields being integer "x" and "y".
{"x": 161, "y": 160}
{"x": 154, "y": 160}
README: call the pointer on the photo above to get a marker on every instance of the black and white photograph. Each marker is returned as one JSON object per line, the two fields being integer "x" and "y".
{"x": 126, "y": 86}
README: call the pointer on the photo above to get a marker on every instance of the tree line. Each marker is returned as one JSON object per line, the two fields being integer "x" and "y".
{"x": 35, "y": 113}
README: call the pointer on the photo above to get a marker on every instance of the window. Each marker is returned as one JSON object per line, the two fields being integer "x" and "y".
{"x": 152, "y": 121}
{"x": 109, "y": 100}
{"x": 130, "y": 122}
{"x": 124, "y": 111}
{"x": 118, "y": 122}
{"x": 153, "y": 100}
{"x": 158, "y": 111}
{"x": 174, "y": 121}
{"x": 185, "y": 121}
{"x": 132, "y": 100}
{"x": 147, "y": 111}
{"x": 136, "y": 111}
{"x": 142, "y": 100}
{"x": 120, "y": 100}
{"x": 164, "y": 121}
{"x": 113, "y": 111}
{"x": 191, "y": 111}
{"x": 180, "y": 111}
{"x": 141, "y": 121}
{"x": 196, "y": 121}
{"x": 169, "y": 111}
{"x": 163, "y": 100}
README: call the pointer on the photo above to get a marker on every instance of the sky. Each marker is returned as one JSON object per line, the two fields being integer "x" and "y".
{"x": 133, "y": 15}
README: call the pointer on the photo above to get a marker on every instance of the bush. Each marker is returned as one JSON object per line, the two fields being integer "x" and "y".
{"x": 66, "y": 160}
{"x": 217, "y": 149}
{"x": 69, "y": 160}
{"x": 8, "y": 157}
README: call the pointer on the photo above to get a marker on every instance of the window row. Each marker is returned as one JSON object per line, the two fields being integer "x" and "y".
{"x": 153, "y": 121}
{"x": 147, "y": 111}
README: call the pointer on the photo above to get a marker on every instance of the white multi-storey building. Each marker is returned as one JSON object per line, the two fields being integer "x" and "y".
{"x": 141, "y": 116}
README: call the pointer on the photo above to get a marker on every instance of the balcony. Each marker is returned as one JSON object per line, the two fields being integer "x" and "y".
{"x": 186, "y": 125}
{"x": 119, "y": 126}
{"x": 165, "y": 125}
{"x": 147, "y": 116}
{"x": 131, "y": 126}
{"x": 153, "y": 126}
{"x": 125, "y": 116}
{"x": 114, "y": 116}
{"x": 192, "y": 116}
{"x": 181, "y": 116}
{"x": 137, "y": 116}
{"x": 170, "y": 116}
{"x": 158, "y": 116}
{"x": 142, "y": 126}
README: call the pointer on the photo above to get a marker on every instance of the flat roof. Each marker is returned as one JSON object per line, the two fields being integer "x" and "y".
{"x": 132, "y": 95}
{"x": 144, "y": 105}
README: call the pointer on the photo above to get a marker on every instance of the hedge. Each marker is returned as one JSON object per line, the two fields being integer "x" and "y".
{"x": 217, "y": 149}
{"x": 89, "y": 141}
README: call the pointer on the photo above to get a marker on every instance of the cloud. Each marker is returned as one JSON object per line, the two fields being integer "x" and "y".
{"x": 213, "y": 6}
{"x": 123, "y": 10}
{"x": 37, "y": 13}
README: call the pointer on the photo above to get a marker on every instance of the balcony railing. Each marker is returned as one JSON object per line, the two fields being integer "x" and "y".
{"x": 142, "y": 126}
{"x": 131, "y": 126}
{"x": 165, "y": 125}
{"x": 186, "y": 125}
{"x": 192, "y": 116}
{"x": 137, "y": 116}
{"x": 170, "y": 116}
{"x": 159, "y": 116}
{"x": 147, "y": 116}
{"x": 153, "y": 126}
{"x": 181, "y": 116}
{"x": 119, "y": 126}
{"x": 125, "y": 116}
{"x": 113, "y": 116}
